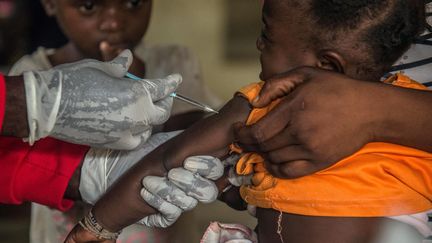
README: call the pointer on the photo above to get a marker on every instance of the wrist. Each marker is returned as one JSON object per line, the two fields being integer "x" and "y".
{"x": 392, "y": 113}
{"x": 377, "y": 115}
{"x": 90, "y": 223}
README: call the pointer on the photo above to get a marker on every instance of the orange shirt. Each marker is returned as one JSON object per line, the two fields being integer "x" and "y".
{"x": 381, "y": 179}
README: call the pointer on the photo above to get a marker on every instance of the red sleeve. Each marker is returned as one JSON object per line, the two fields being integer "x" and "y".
{"x": 38, "y": 173}
{"x": 2, "y": 98}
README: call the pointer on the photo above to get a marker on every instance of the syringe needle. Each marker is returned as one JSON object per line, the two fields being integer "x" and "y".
{"x": 190, "y": 101}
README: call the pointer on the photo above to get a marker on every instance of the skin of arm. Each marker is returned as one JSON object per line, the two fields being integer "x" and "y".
{"x": 15, "y": 118}
{"x": 122, "y": 205}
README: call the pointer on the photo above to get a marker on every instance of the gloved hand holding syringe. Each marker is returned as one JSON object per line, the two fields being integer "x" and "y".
{"x": 190, "y": 101}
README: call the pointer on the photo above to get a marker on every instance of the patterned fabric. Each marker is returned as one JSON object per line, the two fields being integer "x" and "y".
{"x": 220, "y": 233}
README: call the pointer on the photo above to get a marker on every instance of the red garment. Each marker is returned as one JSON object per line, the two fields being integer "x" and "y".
{"x": 38, "y": 173}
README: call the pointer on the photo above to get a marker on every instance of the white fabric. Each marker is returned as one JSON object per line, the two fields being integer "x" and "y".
{"x": 228, "y": 233}
{"x": 419, "y": 221}
{"x": 233, "y": 177}
{"x": 422, "y": 74}
{"x": 393, "y": 231}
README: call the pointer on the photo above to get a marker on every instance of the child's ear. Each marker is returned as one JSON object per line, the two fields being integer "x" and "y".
{"x": 49, "y": 6}
{"x": 332, "y": 61}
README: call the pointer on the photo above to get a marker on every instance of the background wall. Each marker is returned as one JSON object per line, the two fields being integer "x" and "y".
{"x": 203, "y": 27}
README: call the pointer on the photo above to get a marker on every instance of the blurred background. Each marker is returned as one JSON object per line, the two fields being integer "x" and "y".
{"x": 221, "y": 33}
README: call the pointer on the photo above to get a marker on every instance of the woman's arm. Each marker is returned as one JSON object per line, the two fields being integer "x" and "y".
{"x": 210, "y": 136}
{"x": 329, "y": 116}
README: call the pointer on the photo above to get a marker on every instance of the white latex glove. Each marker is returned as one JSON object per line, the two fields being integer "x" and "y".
{"x": 182, "y": 190}
{"x": 90, "y": 102}
{"x": 102, "y": 167}
{"x": 229, "y": 233}
{"x": 234, "y": 178}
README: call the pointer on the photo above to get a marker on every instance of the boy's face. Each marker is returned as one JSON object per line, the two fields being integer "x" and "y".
{"x": 87, "y": 23}
{"x": 284, "y": 42}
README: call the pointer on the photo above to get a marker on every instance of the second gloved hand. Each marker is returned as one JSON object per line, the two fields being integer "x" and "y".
{"x": 90, "y": 102}
{"x": 181, "y": 190}
{"x": 102, "y": 167}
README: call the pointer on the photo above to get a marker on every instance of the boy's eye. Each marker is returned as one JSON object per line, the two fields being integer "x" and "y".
{"x": 133, "y": 3}
{"x": 87, "y": 6}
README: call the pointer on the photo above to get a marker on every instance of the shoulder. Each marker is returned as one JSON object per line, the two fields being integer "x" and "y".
{"x": 38, "y": 60}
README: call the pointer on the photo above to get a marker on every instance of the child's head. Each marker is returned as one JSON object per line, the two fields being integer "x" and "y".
{"x": 87, "y": 23}
{"x": 361, "y": 38}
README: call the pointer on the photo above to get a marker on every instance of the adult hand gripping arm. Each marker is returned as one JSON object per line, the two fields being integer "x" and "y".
{"x": 324, "y": 116}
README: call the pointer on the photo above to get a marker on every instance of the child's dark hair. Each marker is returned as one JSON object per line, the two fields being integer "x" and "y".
{"x": 387, "y": 27}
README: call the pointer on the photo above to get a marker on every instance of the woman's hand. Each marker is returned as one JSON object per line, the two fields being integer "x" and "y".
{"x": 322, "y": 117}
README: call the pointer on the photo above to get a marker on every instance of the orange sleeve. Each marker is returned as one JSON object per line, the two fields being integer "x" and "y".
{"x": 381, "y": 179}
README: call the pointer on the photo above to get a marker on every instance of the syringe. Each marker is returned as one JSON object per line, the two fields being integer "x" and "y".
{"x": 185, "y": 99}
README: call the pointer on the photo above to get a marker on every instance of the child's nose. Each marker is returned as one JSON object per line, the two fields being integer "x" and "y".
{"x": 259, "y": 43}
{"x": 111, "y": 20}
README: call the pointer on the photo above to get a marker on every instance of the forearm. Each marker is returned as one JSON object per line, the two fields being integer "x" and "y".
{"x": 15, "y": 118}
{"x": 122, "y": 205}
{"x": 405, "y": 117}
